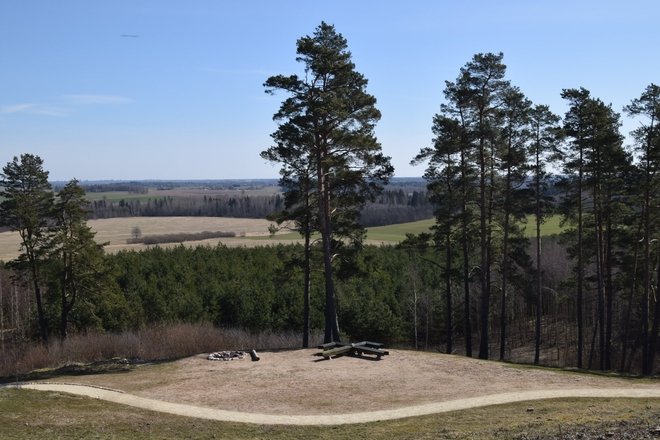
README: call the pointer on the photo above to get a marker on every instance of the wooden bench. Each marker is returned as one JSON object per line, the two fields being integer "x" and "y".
{"x": 361, "y": 349}
{"x": 335, "y": 349}
{"x": 371, "y": 344}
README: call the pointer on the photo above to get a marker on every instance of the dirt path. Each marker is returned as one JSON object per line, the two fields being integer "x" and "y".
{"x": 336, "y": 419}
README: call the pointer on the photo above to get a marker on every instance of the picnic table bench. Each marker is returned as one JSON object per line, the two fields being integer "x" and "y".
{"x": 358, "y": 349}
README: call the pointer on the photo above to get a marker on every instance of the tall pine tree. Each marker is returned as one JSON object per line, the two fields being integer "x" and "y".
{"x": 329, "y": 120}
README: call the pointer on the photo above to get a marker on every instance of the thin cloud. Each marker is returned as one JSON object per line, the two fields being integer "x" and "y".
{"x": 88, "y": 99}
{"x": 50, "y": 111}
{"x": 33, "y": 109}
{"x": 16, "y": 108}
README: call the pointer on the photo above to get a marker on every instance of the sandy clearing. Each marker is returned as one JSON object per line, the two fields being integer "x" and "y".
{"x": 296, "y": 382}
{"x": 336, "y": 419}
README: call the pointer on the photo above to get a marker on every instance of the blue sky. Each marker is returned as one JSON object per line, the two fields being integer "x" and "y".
{"x": 184, "y": 98}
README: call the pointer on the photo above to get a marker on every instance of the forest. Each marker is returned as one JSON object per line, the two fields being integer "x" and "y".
{"x": 475, "y": 285}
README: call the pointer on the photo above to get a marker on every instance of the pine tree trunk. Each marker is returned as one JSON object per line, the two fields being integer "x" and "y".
{"x": 537, "y": 327}
{"x": 63, "y": 312}
{"x": 466, "y": 264}
{"x": 414, "y": 310}
{"x": 331, "y": 333}
{"x": 331, "y": 327}
{"x": 484, "y": 267}
{"x": 43, "y": 326}
{"x": 600, "y": 267}
{"x": 580, "y": 269}
{"x": 505, "y": 267}
{"x": 647, "y": 271}
{"x": 629, "y": 303}
{"x": 307, "y": 281}
{"x": 448, "y": 300}
{"x": 609, "y": 289}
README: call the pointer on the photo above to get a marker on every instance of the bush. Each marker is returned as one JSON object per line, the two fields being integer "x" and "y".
{"x": 149, "y": 344}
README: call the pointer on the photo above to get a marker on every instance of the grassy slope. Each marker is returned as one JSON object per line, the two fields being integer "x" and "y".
{"x": 28, "y": 414}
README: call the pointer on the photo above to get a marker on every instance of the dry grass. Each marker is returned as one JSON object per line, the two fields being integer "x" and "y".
{"x": 26, "y": 414}
{"x": 155, "y": 343}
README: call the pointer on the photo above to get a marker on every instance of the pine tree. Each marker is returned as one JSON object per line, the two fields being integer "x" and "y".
{"x": 76, "y": 259}
{"x": 328, "y": 120}
{"x": 443, "y": 175}
{"x": 482, "y": 83}
{"x": 515, "y": 138}
{"x": 546, "y": 137}
{"x": 26, "y": 207}
{"x": 647, "y": 139}
{"x": 598, "y": 158}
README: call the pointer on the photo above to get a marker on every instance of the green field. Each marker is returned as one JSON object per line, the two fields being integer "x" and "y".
{"x": 396, "y": 233}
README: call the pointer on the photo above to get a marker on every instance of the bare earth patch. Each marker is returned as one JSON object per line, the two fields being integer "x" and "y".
{"x": 295, "y": 382}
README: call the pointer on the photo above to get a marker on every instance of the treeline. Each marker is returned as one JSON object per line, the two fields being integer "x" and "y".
{"x": 129, "y": 187}
{"x": 397, "y": 206}
{"x": 255, "y": 206}
{"x": 488, "y": 168}
{"x": 144, "y": 186}
{"x": 394, "y": 206}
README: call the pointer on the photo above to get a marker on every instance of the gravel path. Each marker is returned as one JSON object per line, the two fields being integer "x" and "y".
{"x": 336, "y": 419}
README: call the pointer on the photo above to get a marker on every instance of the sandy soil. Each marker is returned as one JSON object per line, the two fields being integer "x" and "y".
{"x": 296, "y": 382}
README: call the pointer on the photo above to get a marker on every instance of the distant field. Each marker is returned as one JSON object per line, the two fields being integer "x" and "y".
{"x": 249, "y": 232}
{"x": 396, "y": 233}
{"x": 117, "y": 230}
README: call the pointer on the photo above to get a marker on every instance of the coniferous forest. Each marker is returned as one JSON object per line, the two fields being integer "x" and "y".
{"x": 474, "y": 285}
